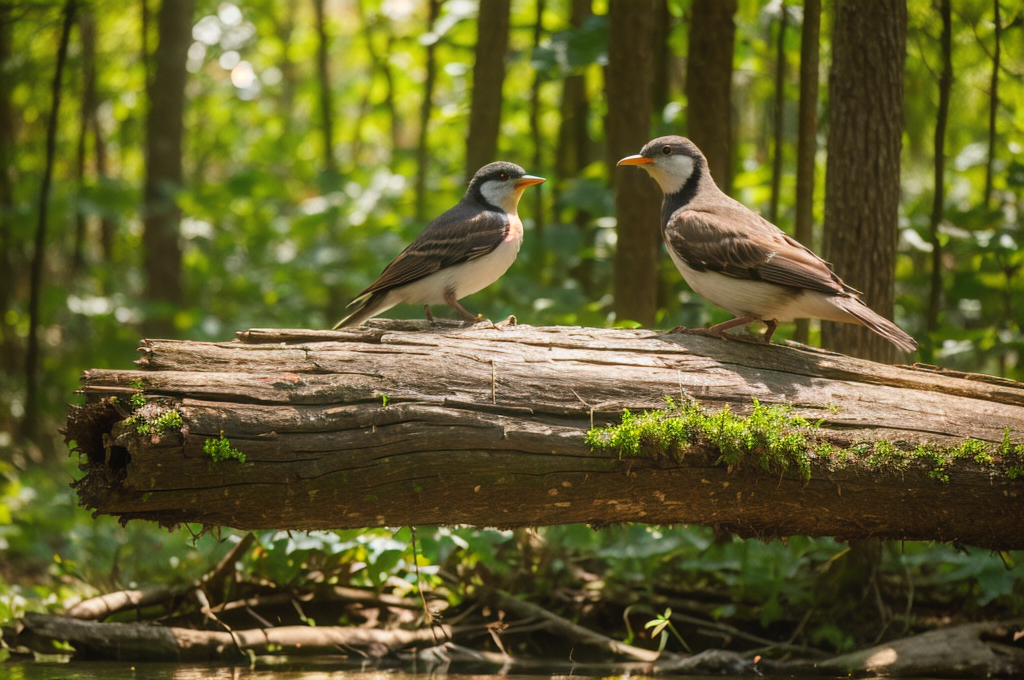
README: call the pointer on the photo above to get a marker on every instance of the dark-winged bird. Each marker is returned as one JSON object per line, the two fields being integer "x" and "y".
{"x": 461, "y": 252}
{"x": 740, "y": 261}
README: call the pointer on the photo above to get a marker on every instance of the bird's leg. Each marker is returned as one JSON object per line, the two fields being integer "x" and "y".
{"x": 430, "y": 317}
{"x": 449, "y": 299}
{"x": 720, "y": 328}
{"x": 772, "y": 324}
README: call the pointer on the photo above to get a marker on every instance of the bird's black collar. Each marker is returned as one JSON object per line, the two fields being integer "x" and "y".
{"x": 681, "y": 198}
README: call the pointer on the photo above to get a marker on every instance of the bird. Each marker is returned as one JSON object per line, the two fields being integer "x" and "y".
{"x": 740, "y": 261}
{"x": 462, "y": 251}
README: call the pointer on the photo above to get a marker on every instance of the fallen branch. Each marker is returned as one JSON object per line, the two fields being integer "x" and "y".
{"x": 403, "y": 423}
{"x": 144, "y": 642}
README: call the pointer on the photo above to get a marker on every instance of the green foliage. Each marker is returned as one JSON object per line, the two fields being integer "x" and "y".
{"x": 220, "y": 449}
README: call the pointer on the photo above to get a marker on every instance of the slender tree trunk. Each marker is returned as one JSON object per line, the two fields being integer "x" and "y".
{"x": 87, "y": 119}
{"x": 807, "y": 142}
{"x": 662, "y": 56}
{"x": 426, "y": 107}
{"x": 709, "y": 84}
{"x": 488, "y": 79}
{"x": 323, "y": 77}
{"x": 164, "y": 134}
{"x": 942, "y": 117}
{"x": 7, "y": 141}
{"x": 107, "y": 225}
{"x": 39, "y": 255}
{"x": 993, "y": 105}
{"x": 379, "y": 64}
{"x": 535, "y": 133}
{"x": 863, "y": 173}
{"x": 147, "y": 70}
{"x": 628, "y": 87}
{"x": 778, "y": 111}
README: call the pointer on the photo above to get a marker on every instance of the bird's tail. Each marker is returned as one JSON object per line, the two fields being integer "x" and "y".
{"x": 366, "y": 306}
{"x": 876, "y": 322}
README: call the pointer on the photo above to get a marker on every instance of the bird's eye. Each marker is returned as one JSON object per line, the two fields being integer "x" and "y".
{"x": 666, "y": 150}
{"x": 503, "y": 176}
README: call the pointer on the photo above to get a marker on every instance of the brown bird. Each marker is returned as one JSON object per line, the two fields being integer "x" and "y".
{"x": 740, "y": 261}
{"x": 461, "y": 252}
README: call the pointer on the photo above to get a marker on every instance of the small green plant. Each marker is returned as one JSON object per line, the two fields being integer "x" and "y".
{"x": 138, "y": 399}
{"x": 159, "y": 425}
{"x": 661, "y": 625}
{"x": 384, "y": 400}
{"x": 220, "y": 449}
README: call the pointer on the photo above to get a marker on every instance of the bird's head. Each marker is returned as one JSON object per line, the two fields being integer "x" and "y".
{"x": 671, "y": 161}
{"x": 500, "y": 185}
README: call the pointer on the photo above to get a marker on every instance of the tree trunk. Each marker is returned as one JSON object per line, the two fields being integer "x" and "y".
{"x": 862, "y": 187}
{"x": 628, "y": 87}
{"x": 993, "y": 105}
{"x": 86, "y": 127}
{"x": 938, "y": 200}
{"x": 778, "y": 111}
{"x": 537, "y": 136}
{"x": 7, "y": 148}
{"x": 324, "y": 80}
{"x": 807, "y": 143}
{"x": 488, "y": 79}
{"x": 709, "y": 85}
{"x": 39, "y": 254}
{"x": 400, "y": 423}
{"x": 164, "y": 134}
{"x": 662, "y": 81}
{"x": 426, "y": 106}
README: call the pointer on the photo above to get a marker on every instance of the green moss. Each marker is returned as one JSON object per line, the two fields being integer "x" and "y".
{"x": 220, "y": 449}
{"x": 775, "y": 440}
{"x": 160, "y": 424}
{"x": 138, "y": 400}
{"x": 771, "y": 437}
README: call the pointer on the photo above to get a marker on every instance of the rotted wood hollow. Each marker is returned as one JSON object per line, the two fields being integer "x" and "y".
{"x": 401, "y": 422}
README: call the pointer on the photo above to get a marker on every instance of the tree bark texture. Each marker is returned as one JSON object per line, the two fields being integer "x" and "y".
{"x": 807, "y": 136}
{"x": 629, "y": 89}
{"x": 488, "y": 79}
{"x": 862, "y": 183}
{"x": 403, "y": 423}
{"x": 709, "y": 84}
{"x": 777, "y": 112}
{"x": 164, "y": 134}
{"x": 939, "y": 195}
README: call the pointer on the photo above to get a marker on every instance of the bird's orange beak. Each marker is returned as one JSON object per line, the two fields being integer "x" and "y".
{"x": 635, "y": 159}
{"x": 528, "y": 181}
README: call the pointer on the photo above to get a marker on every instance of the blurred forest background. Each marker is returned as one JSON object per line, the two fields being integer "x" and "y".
{"x": 189, "y": 168}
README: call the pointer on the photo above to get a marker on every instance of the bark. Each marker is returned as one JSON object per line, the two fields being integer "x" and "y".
{"x": 488, "y": 79}
{"x": 324, "y": 81}
{"x": 146, "y": 642}
{"x": 938, "y": 209}
{"x": 87, "y": 123}
{"x": 662, "y": 83}
{"x": 164, "y": 135}
{"x": 862, "y": 184}
{"x": 709, "y": 84}
{"x": 486, "y": 426}
{"x": 778, "y": 111}
{"x": 993, "y": 105}
{"x": 426, "y": 107}
{"x": 628, "y": 87}
{"x": 39, "y": 254}
{"x": 807, "y": 142}
{"x": 573, "y": 152}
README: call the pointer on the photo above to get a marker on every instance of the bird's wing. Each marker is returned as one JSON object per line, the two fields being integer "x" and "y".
{"x": 463, "y": 233}
{"x": 744, "y": 245}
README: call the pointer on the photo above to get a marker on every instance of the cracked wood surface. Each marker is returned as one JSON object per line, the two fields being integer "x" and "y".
{"x": 486, "y": 426}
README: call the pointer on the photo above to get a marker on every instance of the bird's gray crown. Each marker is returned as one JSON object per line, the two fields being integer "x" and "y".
{"x": 500, "y": 172}
{"x": 671, "y": 145}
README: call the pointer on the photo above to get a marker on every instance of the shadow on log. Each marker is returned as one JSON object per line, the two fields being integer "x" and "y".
{"x": 401, "y": 422}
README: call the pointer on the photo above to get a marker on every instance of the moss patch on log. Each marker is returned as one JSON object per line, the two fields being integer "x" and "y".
{"x": 776, "y": 440}
{"x": 221, "y": 449}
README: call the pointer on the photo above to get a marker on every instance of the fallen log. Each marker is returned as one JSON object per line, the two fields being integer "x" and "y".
{"x": 401, "y": 422}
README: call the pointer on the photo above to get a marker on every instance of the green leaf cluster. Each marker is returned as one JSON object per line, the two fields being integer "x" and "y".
{"x": 220, "y": 450}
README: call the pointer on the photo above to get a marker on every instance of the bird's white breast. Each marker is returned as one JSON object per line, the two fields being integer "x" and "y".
{"x": 467, "y": 277}
{"x": 743, "y": 297}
